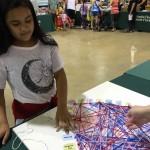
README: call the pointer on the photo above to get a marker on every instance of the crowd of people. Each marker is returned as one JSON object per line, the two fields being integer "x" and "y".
{"x": 63, "y": 12}
{"x": 98, "y": 8}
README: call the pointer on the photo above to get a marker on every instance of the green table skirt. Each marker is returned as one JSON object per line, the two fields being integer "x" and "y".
{"x": 46, "y": 22}
{"x": 133, "y": 83}
{"x": 142, "y": 21}
{"x": 142, "y": 71}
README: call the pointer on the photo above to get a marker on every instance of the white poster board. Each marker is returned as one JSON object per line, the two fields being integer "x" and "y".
{"x": 116, "y": 93}
{"x": 40, "y": 134}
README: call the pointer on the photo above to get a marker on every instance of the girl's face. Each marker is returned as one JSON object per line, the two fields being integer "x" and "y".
{"x": 21, "y": 25}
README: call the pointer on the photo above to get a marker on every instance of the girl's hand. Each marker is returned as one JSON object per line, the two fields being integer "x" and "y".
{"x": 4, "y": 132}
{"x": 64, "y": 120}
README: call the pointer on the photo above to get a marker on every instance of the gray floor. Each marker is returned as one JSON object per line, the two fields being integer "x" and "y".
{"x": 92, "y": 58}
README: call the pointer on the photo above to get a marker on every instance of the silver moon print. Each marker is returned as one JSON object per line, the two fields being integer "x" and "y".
{"x": 37, "y": 76}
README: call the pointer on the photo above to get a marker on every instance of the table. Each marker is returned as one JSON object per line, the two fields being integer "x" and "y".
{"x": 142, "y": 21}
{"x": 136, "y": 79}
{"x": 41, "y": 128}
{"x": 46, "y": 22}
{"x": 127, "y": 80}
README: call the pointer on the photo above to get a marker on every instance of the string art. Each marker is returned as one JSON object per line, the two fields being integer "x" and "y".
{"x": 101, "y": 126}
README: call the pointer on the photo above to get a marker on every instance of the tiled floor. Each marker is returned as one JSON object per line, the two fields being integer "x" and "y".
{"x": 92, "y": 58}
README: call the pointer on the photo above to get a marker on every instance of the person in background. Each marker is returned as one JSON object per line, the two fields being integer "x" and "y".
{"x": 148, "y": 3}
{"x": 48, "y": 11}
{"x": 141, "y": 4}
{"x": 71, "y": 11}
{"x": 138, "y": 115}
{"x": 52, "y": 4}
{"x": 88, "y": 18}
{"x": 44, "y": 10}
{"x": 30, "y": 62}
{"x": 84, "y": 10}
{"x": 64, "y": 5}
{"x": 65, "y": 20}
{"x": 60, "y": 7}
{"x": 95, "y": 12}
{"x": 132, "y": 15}
{"x": 114, "y": 13}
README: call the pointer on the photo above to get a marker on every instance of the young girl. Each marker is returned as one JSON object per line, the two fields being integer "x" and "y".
{"x": 65, "y": 19}
{"x": 30, "y": 62}
{"x": 83, "y": 10}
{"x": 95, "y": 12}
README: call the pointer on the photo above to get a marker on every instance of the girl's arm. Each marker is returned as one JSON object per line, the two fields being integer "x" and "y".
{"x": 4, "y": 126}
{"x": 61, "y": 84}
{"x": 63, "y": 117}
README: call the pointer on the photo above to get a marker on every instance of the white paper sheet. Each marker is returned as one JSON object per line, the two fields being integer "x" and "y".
{"x": 130, "y": 17}
{"x": 40, "y": 134}
{"x": 111, "y": 91}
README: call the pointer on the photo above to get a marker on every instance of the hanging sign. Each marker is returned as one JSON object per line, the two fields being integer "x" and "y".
{"x": 42, "y": 2}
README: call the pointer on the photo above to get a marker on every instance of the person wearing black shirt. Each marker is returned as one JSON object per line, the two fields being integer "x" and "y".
{"x": 132, "y": 12}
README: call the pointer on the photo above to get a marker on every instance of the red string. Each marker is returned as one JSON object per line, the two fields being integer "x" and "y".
{"x": 102, "y": 126}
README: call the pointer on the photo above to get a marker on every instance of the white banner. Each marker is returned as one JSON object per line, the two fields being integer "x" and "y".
{"x": 42, "y": 2}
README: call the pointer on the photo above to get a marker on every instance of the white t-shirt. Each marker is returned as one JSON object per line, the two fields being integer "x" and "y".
{"x": 71, "y": 4}
{"x": 29, "y": 72}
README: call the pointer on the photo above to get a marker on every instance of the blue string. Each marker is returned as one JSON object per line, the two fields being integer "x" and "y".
{"x": 116, "y": 119}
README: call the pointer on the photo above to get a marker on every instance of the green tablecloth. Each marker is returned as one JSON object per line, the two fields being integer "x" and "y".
{"x": 46, "y": 22}
{"x": 8, "y": 146}
{"x": 142, "y": 21}
{"x": 133, "y": 83}
{"x": 142, "y": 71}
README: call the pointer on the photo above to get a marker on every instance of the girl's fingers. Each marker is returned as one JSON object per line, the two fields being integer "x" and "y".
{"x": 59, "y": 128}
{"x": 56, "y": 122}
{"x": 63, "y": 124}
{"x": 5, "y": 138}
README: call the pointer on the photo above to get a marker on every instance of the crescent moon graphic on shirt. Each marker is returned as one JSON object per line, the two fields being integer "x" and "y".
{"x": 35, "y": 79}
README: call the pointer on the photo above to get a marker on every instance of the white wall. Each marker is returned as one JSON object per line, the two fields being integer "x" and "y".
{"x": 35, "y": 5}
